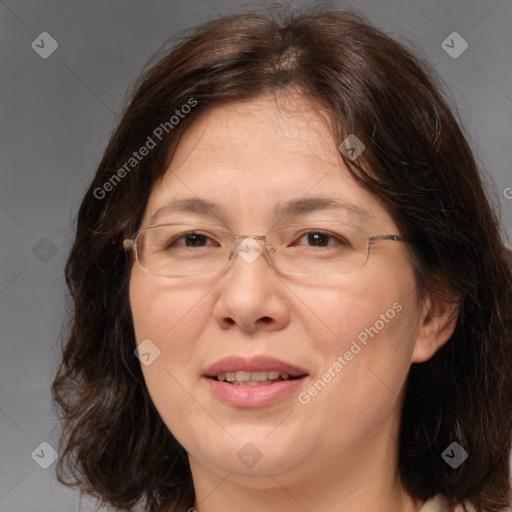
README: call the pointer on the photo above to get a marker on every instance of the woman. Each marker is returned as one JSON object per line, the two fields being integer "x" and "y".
{"x": 290, "y": 290}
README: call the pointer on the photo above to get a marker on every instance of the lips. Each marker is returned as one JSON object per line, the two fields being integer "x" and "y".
{"x": 254, "y": 394}
{"x": 253, "y": 364}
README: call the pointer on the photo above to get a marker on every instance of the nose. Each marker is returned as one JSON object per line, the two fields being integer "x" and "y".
{"x": 252, "y": 294}
{"x": 249, "y": 247}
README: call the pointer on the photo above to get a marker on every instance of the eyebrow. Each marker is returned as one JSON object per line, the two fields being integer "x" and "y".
{"x": 295, "y": 207}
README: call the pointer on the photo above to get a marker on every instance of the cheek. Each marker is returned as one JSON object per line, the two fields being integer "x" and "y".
{"x": 161, "y": 310}
{"x": 376, "y": 306}
{"x": 364, "y": 367}
{"x": 374, "y": 316}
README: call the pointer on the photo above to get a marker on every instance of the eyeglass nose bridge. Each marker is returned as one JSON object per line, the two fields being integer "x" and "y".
{"x": 266, "y": 242}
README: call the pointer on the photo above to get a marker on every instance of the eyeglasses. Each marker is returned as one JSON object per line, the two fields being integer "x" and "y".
{"x": 314, "y": 249}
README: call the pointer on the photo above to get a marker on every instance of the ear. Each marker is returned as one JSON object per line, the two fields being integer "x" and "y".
{"x": 437, "y": 322}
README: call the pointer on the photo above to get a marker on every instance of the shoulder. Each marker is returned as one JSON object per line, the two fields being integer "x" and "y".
{"x": 439, "y": 504}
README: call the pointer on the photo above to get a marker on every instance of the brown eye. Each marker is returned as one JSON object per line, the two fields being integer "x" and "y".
{"x": 322, "y": 239}
{"x": 191, "y": 239}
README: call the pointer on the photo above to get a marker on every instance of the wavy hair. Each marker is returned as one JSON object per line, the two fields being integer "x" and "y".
{"x": 114, "y": 445}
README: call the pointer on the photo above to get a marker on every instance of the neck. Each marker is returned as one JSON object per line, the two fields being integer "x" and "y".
{"x": 285, "y": 500}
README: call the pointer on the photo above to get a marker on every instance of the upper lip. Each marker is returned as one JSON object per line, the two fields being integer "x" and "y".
{"x": 253, "y": 364}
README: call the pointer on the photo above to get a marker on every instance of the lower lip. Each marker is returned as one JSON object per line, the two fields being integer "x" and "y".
{"x": 253, "y": 396}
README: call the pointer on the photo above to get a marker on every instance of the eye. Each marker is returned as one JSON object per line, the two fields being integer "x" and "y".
{"x": 322, "y": 239}
{"x": 191, "y": 239}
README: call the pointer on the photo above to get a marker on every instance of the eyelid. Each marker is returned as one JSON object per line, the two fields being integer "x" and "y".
{"x": 320, "y": 225}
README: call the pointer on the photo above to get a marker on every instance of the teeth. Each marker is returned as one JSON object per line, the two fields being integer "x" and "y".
{"x": 250, "y": 377}
{"x": 252, "y": 383}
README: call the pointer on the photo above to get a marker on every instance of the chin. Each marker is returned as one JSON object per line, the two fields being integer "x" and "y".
{"x": 260, "y": 454}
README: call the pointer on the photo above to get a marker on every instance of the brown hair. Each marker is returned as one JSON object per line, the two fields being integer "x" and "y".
{"x": 114, "y": 444}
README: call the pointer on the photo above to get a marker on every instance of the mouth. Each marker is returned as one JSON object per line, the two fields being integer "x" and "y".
{"x": 260, "y": 378}
{"x": 255, "y": 382}
{"x": 254, "y": 371}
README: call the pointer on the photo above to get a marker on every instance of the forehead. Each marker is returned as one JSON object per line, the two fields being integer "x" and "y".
{"x": 277, "y": 124}
{"x": 251, "y": 160}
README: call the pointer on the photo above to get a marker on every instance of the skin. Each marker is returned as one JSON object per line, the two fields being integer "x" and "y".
{"x": 339, "y": 451}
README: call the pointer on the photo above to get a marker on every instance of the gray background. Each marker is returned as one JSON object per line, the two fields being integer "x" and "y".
{"x": 56, "y": 116}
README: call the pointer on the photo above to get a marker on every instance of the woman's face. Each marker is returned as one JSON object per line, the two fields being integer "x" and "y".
{"x": 354, "y": 334}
